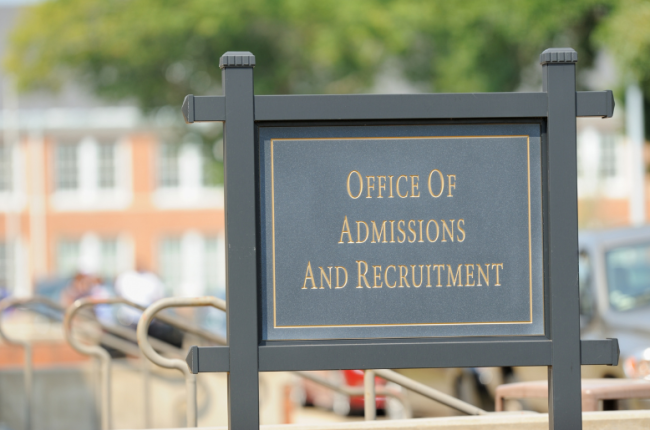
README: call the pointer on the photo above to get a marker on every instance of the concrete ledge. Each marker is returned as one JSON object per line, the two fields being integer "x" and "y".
{"x": 614, "y": 420}
{"x": 628, "y": 420}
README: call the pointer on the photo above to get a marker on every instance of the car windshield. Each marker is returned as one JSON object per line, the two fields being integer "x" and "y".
{"x": 628, "y": 276}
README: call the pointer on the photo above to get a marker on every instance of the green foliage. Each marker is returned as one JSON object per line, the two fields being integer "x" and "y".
{"x": 154, "y": 52}
{"x": 627, "y": 33}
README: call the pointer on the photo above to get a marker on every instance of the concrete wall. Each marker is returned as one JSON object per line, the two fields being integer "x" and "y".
{"x": 63, "y": 398}
{"x": 618, "y": 420}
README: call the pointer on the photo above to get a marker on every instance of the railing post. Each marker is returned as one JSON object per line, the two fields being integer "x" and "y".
{"x": 27, "y": 347}
{"x": 559, "y": 82}
{"x": 96, "y": 351}
{"x": 369, "y": 400}
{"x": 241, "y": 239}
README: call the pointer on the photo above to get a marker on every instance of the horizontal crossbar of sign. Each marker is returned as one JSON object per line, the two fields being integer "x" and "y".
{"x": 331, "y": 355}
{"x": 397, "y": 107}
{"x": 402, "y": 106}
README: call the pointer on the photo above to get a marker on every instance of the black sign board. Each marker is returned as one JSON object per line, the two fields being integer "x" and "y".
{"x": 401, "y": 231}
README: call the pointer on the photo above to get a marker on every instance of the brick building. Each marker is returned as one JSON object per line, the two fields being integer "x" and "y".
{"x": 102, "y": 189}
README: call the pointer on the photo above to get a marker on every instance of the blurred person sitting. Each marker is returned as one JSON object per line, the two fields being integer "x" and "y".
{"x": 88, "y": 285}
{"x": 85, "y": 285}
{"x": 143, "y": 287}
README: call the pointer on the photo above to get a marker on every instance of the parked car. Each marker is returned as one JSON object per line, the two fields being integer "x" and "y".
{"x": 615, "y": 295}
{"x": 614, "y": 286}
{"x": 614, "y": 280}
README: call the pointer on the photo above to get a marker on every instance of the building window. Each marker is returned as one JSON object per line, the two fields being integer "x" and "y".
{"x": 608, "y": 156}
{"x": 5, "y": 168}
{"x": 67, "y": 167}
{"x": 5, "y": 265}
{"x": 213, "y": 266}
{"x": 168, "y": 165}
{"x": 170, "y": 263}
{"x": 107, "y": 166}
{"x": 109, "y": 265}
{"x": 212, "y": 174}
{"x": 67, "y": 257}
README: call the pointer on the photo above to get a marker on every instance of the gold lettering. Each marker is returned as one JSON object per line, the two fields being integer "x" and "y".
{"x": 442, "y": 183}
{"x": 337, "y": 277}
{"x": 500, "y": 265}
{"x": 370, "y": 187}
{"x": 469, "y": 274}
{"x": 403, "y": 275}
{"x": 451, "y": 279}
{"x": 309, "y": 275}
{"x": 323, "y": 275}
{"x": 390, "y": 187}
{"x": 360, "y": 184}
{"x": 413, "y": 275}
{"x": 375, "y": 276}
{"x": 359, "y": 231}
{"x": 401, "y": 231}
{"x": 386, "y": 277}
{"x": 437, "y": 230}
{"x": 461, "y": 230}
{"x": 346, "y": 230}
{"x": 486, "y": 275}
{"x": 428, "y": 275}
{"x": 376, "y": 234}
{"x": 438, "y": 267}
{"x": 414, "y": 185}
{"x": 392, "y": 231}
{"x": 451, "y": 184}
{"x": 445, "y": 228}
{"x": 380, "y": 186}
{"x": 397, "y": 186}
{"x": 362, "y": 275}
{"x": 415, "y": 236}
{"x": 421, "y": 240}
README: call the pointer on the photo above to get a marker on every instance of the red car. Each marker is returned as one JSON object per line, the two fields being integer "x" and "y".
{"x": 314, "y": 394}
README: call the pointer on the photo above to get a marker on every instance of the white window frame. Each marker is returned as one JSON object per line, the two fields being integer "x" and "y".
{"x": 192, "y": 263}
{"x": 89, "y": 258}
{"x": 191, "y": 192}
{"x": 14, "y": 199}
{"x": 89, "y": 196}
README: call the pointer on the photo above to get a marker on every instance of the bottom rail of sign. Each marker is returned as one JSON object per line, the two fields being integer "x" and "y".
{"x": 331, "y": 356}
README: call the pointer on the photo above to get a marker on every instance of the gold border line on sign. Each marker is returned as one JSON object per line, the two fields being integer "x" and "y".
{"x": 530, "y": 268}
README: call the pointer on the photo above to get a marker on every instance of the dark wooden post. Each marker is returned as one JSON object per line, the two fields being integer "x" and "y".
{"x": 559, "y": 74}
{"x": 241, "y": 239}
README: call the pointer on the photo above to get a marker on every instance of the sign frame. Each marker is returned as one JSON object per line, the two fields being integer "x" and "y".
{"x": 560, "y": 349}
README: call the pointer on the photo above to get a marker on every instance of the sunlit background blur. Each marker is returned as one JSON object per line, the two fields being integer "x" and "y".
{"x": 101, "y": 178}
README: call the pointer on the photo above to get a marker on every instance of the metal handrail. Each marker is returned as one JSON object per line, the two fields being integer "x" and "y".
{"x": 95, "y": 351}
{"x": 174, "y": 363}
{"x": 107, "y": 339}
{"x": 27, "y": 347}
{"x": 355, "y": 391}
{"x": 114, "y": 342}
{"x": 181, "y": 324}
{"x": 369, "y": 402}
{"x": 423, "y": 390}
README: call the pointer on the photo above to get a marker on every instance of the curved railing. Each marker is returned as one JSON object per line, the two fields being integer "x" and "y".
{"x": 10, "y": 302}
{"x": 175, "y": 363}
{"x": 95, "y": 351}
{"x": 148, "y": 347}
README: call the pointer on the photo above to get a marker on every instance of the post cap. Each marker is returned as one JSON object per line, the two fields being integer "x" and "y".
{"x": 558, "y": 55}
{"x": 237, "y": 59}
{"x": 188, "y": 109}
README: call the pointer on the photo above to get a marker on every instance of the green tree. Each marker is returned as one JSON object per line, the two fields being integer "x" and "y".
{"x": 154, "y": 52}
